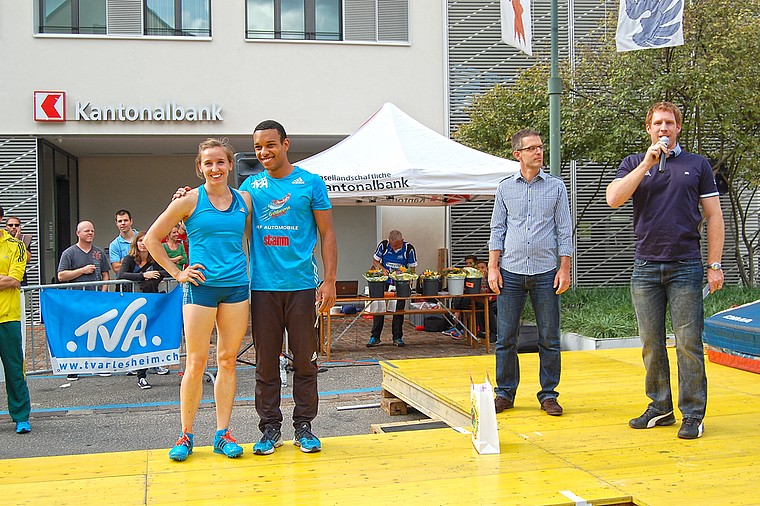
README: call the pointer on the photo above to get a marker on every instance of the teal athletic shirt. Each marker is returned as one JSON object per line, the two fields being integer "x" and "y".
{"x": 284, "y": 231}
{"x": 216, "y": 240}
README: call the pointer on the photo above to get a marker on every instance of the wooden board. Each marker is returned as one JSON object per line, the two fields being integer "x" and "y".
{"x": 589, "y": 452}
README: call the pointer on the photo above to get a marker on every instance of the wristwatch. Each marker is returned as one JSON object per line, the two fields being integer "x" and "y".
{"x": 715, "y": 265}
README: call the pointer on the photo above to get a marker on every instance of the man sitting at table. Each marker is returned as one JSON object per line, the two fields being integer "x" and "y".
{"x": 390, "y": 255}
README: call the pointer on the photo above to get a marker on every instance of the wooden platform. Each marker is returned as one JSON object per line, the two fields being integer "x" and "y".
{"x": 600, "y": 391}
{"x": 589, "y": 453}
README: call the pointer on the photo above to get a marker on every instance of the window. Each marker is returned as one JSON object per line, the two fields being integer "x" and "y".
{"x": 349, "y": 20}
{"x": 181, "y": 18}
{"x": 178, "y": 17}
{"x": 293, "y": 19}
{"x": 72, "y": 16}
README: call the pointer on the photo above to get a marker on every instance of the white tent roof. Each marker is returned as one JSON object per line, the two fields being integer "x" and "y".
{"x": 394, "y": 160}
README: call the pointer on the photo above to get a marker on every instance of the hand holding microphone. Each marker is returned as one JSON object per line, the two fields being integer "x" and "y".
{"x": 663, "y": 155}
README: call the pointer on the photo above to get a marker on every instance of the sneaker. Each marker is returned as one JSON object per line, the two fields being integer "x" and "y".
{"x": 449, "y": 331}
{"x": 72, "y": 377}
{"x": 143, "y": 383}
{"x": 373, "y": 341}
{"x": 23, "y": 427}
{"x": 160, "y": 370}
{"x": 503, "y": 403}
{"x": 399, "y": 342}
{"x": 650, "y": 418}
{"x": 691, "y": 428}
{"x": 552, "y": 407}
{"x": 183, "y": 448}
{"x": 131, "y": 373}
{"x": 271, "y": 439}
{"x": 457, "y": 336}
{"x": 104, "y": 374}
{"x": 306, "y": 440}
{"x": 226, "y": 444}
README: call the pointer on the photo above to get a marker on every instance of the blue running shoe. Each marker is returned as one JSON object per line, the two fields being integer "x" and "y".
{"x": 306, "y": 440}
{"x": 271, "y": 439}
{"x": 373, "y": 341}
{"x": 23, "y": 428}
{"x": 226, "y": 444}
{"x": 399, "y": 342}
{"x": 183, "y": 448}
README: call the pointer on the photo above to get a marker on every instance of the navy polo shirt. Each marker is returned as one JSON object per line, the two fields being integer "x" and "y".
{"x": 666, "y": 211}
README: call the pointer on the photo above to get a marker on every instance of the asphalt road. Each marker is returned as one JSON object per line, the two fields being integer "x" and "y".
{"x": 111, "y": 414}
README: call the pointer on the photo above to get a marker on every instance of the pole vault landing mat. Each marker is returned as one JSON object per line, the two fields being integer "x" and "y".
{"x": 733, "y": 337}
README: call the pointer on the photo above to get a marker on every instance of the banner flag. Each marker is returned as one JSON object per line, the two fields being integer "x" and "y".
{"x": 516, "y": 27}
{"x": 93, "y": 332}
{"x": 648, "y": 24}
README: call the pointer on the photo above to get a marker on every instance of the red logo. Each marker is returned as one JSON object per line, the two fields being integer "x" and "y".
{"x": 49, "y": 106}
{"x": 272, "y": 240}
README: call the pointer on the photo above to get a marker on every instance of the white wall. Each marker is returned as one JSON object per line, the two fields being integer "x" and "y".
{"x": 144, "y": 186}
{"x": 311, "y": 87}
{"x": 423, "y": 227}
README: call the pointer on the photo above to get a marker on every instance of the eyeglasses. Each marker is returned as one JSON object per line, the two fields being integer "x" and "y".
{"x": 533, "y": 149}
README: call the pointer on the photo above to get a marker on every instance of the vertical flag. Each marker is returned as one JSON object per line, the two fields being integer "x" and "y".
{"x": 648, "y": 24}
{"x": 516, "y": 29}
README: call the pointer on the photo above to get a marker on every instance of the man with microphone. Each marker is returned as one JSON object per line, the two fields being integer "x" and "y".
{"x": 668, "y": 185}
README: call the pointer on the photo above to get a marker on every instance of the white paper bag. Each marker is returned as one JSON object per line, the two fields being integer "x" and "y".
{"x": 485, "y": 434}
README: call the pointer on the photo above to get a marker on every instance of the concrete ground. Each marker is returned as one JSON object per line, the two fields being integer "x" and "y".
{"x": 105, "y": 414}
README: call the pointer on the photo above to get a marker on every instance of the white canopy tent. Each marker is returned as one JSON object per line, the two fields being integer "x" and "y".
{"x": 393, "y": 159}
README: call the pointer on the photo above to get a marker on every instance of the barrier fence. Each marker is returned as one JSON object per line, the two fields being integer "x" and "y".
{"x": 36, "y": 352}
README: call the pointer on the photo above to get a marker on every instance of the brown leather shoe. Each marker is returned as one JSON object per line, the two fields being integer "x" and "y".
{"x": 502, "y": 404}
{"x": 552, "y": 407}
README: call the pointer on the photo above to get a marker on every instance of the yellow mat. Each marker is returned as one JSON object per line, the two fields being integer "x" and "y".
{"x": 589, "y": 453}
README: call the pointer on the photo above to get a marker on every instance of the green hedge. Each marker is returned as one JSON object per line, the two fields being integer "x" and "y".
{"x": 608, "y": 312}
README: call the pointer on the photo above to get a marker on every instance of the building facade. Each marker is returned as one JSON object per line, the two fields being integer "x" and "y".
{"x": 110, "y": 98}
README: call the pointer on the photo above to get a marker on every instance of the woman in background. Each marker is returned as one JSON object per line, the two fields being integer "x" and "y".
{"x": 138, "y": 265}
{"x": 175, "y": 249}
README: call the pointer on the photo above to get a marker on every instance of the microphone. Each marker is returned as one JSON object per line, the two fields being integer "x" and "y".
{"x": 663, "y": 156}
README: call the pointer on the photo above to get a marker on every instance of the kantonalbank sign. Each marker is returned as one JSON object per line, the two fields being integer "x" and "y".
{"x": 51, "y": 106}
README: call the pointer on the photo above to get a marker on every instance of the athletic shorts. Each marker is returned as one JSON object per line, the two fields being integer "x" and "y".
{"x": 212, "y": 296}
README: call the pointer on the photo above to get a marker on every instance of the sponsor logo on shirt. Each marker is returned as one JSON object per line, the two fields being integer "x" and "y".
{"x": 274, "y": 240}
{"x": 276, "y": 208}
{"x": 277, "y": 204}
{"x": 298, "y": 181}
{"x": 261, "y": 183}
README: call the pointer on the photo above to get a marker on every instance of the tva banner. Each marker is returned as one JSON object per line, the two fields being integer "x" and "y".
{"x": 93, "y": 332}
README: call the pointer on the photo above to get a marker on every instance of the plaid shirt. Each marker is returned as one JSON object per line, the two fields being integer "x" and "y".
{"x": 531, "y": 224}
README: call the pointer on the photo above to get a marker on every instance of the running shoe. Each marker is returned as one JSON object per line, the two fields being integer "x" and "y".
{"x": 399, "y": 342}
{"x": 160, "y": 370}
{"x": 449, "y": 331}
{"x": 226, "y": 444}
{"x": 691, "y": 428}
{"x": 271, "y": 439}
{"x": 651, "y": 418}
{"x": 72, "y": 377}
{"x": 143, "y": 383}
{"x": 23, "y": 427}
{"x": 183, "y": 448}
{"x": 306, "y": 440}
{"x": 373, "y": 341}
{"x": 457, "y": 336}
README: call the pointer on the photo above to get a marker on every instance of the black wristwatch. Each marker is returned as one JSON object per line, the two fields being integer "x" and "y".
{"x": 715, "y": 265}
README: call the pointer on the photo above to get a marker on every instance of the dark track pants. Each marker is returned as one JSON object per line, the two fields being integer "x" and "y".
{"x": 15, "y": 375}
{"x": 271, "y": 314}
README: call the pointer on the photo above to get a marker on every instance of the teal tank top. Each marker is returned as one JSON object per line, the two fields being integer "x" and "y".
{"x": 216, "y": 240}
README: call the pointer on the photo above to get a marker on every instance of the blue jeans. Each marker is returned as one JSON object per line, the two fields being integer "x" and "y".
{"x": 510, "y": 303}
{"x": 654, "y": 285}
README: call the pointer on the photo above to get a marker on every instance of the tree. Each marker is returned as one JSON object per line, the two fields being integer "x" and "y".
{"x": 714, "y": 78}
